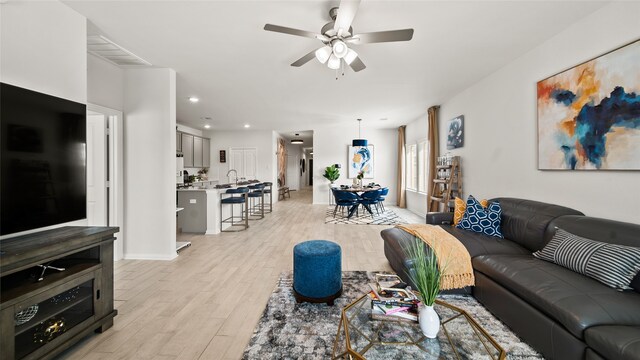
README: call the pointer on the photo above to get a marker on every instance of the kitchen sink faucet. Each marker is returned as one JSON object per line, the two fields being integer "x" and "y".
{"x": 235, "y": 172}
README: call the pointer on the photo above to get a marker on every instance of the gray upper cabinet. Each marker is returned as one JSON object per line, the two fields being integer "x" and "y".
{"x": 206, "y": 152}
{"x": 187, "y": 149}
{"x": 197, "y": 151}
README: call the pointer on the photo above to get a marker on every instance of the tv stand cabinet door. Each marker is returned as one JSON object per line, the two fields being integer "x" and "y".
{"x": 7, "y": 342}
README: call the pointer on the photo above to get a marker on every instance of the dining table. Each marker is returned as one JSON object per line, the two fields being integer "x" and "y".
{"x": 359, "y": 191}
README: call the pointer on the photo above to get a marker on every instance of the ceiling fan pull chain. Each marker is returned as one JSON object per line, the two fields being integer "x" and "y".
{"x": 342, "y": 66}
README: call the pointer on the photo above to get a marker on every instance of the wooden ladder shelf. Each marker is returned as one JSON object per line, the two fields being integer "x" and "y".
{"x": 447, "y": 184}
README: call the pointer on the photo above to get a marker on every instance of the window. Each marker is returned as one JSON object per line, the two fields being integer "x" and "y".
{"x": 422, "y": 166}
{"x": 412, "y": 167}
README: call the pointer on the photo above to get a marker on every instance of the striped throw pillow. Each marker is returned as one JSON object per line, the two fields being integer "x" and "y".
{"x": 611, "y": 264}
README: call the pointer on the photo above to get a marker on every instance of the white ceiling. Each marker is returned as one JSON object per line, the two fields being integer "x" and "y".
{"x": 241, "y": 73}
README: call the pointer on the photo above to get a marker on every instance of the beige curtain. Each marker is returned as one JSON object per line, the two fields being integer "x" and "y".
{"x": 432, "y": 138}
{"x": 402, "y": 201}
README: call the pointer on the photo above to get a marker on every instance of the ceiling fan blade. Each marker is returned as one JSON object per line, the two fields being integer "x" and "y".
{"x": 357, "y": 65}
{"x": 292, "y": 31}
{"x": 346, "y": 13}
{"x": 305, "y": 59}
{"x": 382, "y": 36}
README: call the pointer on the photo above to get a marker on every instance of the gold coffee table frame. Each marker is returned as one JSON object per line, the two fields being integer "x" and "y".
{"x": 492, "y": 348}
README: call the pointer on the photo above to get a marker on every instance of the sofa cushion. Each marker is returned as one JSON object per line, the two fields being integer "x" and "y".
{"x": 573, "y": 300}
{"x": 525, "y": 221}
{"x": 481, "y": 244}
{"x": 615, "y": 342}
{"x": 610, "y": 231}
{"x": 460, "y": 206}
{"x": 479, "y": 219}
{"x": 611, "y": 264}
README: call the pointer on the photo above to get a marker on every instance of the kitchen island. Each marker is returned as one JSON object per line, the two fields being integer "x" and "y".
{"x": 201, "y": 212}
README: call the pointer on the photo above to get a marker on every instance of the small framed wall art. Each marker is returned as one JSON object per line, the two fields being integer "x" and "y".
{"x": 455, "y": 133}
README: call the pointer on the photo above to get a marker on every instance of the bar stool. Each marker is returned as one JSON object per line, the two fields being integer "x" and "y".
{"x": 233, "y": 200}
{"x": 268, "y": 190}
{"x": 257, "y": 193}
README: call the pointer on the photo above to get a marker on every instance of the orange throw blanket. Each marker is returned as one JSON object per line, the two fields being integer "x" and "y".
{"x": 451, "y": 254}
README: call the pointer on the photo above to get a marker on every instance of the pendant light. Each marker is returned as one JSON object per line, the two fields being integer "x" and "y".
{"x": 297, "y": 140}
{"x": 360, "y": 141}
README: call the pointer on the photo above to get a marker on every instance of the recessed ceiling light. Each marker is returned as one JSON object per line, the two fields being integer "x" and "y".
{"x": 247, "y": 125}
{"x": 207, "y": 126}
{"x": 193, "y": 99}
{"x": 384, "y": 119}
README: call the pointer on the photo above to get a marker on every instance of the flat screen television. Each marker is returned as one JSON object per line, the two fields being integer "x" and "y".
{"x": 43, "y": 163}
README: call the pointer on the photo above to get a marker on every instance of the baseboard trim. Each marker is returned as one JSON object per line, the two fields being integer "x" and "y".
{"x": 130, "y": 256}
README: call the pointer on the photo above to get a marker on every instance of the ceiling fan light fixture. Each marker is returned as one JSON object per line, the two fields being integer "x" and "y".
{"x": 351, "y": 55}
{"x": 334, "y": 62}
{"x": 340, "y": 49}
{"x": 323, "y": 54}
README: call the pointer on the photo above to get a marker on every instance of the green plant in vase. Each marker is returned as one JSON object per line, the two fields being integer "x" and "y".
{"x": 425, "y": 275}
{"x": 331, "y": 173}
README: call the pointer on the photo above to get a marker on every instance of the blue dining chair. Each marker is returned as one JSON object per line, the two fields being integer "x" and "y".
{"x": 370, "y": 198}
{"x": 344, "y": 199}
{"x": 383, "y": 193}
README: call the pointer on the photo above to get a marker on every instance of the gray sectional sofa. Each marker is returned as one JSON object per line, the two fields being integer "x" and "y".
{"x": 562, "y": 314}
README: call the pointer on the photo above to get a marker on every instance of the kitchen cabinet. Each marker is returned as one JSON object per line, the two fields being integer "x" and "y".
{"x": 197, "y": 152}
{"x": 187, "y": 149}
{"x": 206, "y": 152}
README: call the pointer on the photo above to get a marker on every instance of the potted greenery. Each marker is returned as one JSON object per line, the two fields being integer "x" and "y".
{"x": 426, "y": 276}
{"x": 331, "y": 173}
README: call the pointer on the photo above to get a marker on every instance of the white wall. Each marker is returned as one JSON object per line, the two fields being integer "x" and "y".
{"x": 43, "y": 48}
{"x": 189, "y": 130}
{"x": 105, "y": 83}
{"x": 416, "y": 132}
{"x": 499, "y": 157}
{"x": 330, "y": 146}
{"x": 259, "y": 139}
{"x": 150, "y": 143}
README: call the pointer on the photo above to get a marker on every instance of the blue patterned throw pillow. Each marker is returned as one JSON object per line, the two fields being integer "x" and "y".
{"x": 481, "y": 220}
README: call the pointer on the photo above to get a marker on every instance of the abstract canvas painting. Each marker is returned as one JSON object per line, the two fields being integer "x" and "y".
{"x": 455, "y": 134}
{"x": 589, "y": 115}
{"x": 282, "y": 162}
{"x": 361, "y": 159}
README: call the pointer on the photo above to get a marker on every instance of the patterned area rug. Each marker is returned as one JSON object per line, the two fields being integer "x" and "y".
{"x": 307, "y": 331}
{"x": 388, "y": 217}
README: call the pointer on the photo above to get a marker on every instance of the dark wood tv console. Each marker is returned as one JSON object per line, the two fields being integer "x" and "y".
{"x": 41, "y": 315}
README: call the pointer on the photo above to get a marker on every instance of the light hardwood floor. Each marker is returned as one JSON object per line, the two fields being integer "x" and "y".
{"x": 206, "y": 303}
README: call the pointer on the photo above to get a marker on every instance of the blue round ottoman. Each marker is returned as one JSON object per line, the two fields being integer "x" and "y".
{"x": 317, "y": 271}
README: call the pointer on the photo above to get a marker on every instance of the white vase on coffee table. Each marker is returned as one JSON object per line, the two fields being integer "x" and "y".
{"x": 429, "y": 321}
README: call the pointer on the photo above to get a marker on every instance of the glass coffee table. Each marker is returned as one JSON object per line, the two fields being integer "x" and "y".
{"x": 460, "y": 337}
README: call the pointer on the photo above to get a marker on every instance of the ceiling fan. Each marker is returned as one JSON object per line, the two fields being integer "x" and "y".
{"x": 338, "y": 35}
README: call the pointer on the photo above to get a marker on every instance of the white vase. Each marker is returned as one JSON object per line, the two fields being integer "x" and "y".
{"x": 429, "y": 321}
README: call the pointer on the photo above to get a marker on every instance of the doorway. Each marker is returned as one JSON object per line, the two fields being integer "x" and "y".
{"x": 105, "y": 163}
{"x": 310, "y": 172}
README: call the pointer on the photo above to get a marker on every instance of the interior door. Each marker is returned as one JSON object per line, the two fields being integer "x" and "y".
{"x": 293, "y": 172}
{"x": 236, "y": 162}
{"x": 97, "y": 206}
{"x": 250, "y": 163}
